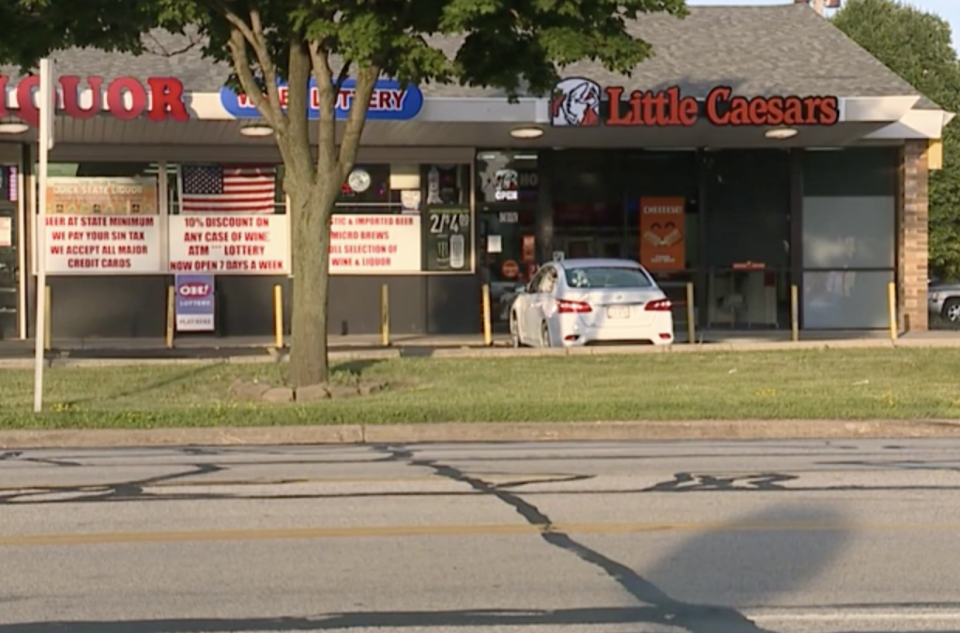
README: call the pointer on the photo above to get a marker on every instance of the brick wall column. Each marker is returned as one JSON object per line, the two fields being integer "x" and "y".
{"x": 912, "y": 242}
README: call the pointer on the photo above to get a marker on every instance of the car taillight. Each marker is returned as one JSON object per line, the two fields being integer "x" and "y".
{"x": 568, "y": 307}
{"x": 659, "y": 305}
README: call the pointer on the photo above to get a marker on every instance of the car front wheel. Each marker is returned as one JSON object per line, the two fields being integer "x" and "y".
{"x": 514, "y": 331}
{"x": 545, "y": 336}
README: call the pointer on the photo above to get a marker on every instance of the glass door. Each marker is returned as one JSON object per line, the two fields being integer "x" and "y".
{"x": 9, "y": 266}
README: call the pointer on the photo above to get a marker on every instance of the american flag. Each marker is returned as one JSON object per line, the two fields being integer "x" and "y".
{"x": 228, "y": 189}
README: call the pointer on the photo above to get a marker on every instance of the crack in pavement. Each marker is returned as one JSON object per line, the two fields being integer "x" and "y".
{"x": 123, "y": 491}
{"x": 666, "y": 611}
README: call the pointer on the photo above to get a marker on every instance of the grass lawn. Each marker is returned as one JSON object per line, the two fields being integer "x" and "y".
{"x": 847, "y": 384}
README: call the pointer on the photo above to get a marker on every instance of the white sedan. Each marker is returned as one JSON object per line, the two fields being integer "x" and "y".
{"x": 582, "y": 301}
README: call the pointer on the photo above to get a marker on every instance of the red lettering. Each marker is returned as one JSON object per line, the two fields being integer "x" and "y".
{"x": 679, "y": 108}
{"x": 793, "y": 111}
{"x": 757, "y": 111}
{"x": 614, "y": 94}
{"x": 829, "y": 110}
{"x": 648, "y": 102}
{"x": 716, "y": 97}
{"x": 28, "y": 112}
{"x": 167, "y": 94}
{"x": 71, "y": 97}
{"x": 775, "y": 111}
{"x": 115, "y": 98}
{"x": 770, "y": 111}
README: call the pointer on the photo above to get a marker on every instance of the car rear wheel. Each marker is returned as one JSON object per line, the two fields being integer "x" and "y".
{"x": 951, "y": 310}
{"x": 545, "y": 335}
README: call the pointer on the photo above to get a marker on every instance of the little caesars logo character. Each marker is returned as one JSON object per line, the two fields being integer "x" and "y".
{"x": 576, "y": 103}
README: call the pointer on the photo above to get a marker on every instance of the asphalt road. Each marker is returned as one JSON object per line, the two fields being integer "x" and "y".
{"x": 738, "y": 537}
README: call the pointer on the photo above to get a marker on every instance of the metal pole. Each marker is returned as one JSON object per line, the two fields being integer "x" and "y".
{"x": 46, "y": 110}
{"x": 892, "y": 308}
{"x": 171, "y": 316}
{"x": 487, "y": 318}
{"x": 385, "y": 315}
{"x": 691, "y": 316}
{"x": 794, "y": 313}
{"x": 278, "y": 317}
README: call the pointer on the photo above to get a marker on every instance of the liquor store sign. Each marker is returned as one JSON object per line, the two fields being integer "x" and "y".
{"x": 125, "y": 98}
{"x": 579, "y": 102}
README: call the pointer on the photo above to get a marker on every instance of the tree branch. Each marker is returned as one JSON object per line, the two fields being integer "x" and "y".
{"x": 299, "y": 72}
{"x": 367, "y": 77}
{"x": 327, "y": 108}
{"x": 241, "y": 65}
{"x": 164, "y": 52}
{"x": 241, "y": 35}
{"x": 342, "y": 77}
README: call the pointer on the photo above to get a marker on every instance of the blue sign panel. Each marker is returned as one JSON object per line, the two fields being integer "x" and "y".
{"x": 194, "y": 305}
{"x": 389, "y": 102}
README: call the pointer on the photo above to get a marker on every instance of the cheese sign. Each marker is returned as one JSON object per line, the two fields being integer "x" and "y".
{"x": 390, "y": 101}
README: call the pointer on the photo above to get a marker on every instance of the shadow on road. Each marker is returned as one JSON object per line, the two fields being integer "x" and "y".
{"x": 770, "y": 550}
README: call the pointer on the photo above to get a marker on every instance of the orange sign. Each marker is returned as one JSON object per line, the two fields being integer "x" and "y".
{"x": 662, "y": 243}
{"x": 529, "y": 249}
{"x": 510, "y": 269}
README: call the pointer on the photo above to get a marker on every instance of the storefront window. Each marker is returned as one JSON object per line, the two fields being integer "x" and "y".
{"x": 507, "y": 177}
{"x": 103, "y": 219}
{"x": 227, "y": 219}
{"x": 217, "y": 188}
{"x": 403, "y": 219}
{"x": 747, "y": 238}
{"x": 849, "y": 232}
{"x": 748, "y": 209}
{"x": 849, "y": 236}
{"x": 845, "y": 299}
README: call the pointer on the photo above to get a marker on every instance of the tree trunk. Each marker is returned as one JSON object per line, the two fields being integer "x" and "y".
{"x": 311, "y": 206}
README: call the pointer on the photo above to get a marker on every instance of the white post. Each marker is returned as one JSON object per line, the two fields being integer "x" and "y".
{"x": 47, "y": 109}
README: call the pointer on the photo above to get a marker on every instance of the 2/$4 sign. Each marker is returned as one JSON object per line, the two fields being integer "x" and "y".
{"x": 579, "y": 102}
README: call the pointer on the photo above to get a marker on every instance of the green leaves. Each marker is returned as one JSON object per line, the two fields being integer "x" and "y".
{"x": 914, "y": 44}
{"x": 917, "y": 46}
{"x": 518, "y": 45}
{"x": 514, "y": 45}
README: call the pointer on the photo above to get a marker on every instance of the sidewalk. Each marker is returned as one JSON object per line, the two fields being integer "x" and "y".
{"x": 693, "y": 430}
{"x": 20, "y": 353}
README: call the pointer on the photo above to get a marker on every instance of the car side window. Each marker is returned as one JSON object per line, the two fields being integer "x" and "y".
{"x": 534, "y": 285}
{"x": 549, "y": 282}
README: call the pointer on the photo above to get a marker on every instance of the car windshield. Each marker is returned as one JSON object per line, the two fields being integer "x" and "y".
{"x": 607, "y": 277}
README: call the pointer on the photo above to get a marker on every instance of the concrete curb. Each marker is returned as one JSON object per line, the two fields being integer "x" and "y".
{"x": 505, "y": 352}
{"x": 480, "y": 432}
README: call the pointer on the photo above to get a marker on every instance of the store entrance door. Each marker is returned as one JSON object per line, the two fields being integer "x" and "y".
{"x": 9, "y": 271}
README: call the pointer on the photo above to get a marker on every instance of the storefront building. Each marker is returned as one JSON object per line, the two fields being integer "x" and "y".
{"x": 742, "y": 169}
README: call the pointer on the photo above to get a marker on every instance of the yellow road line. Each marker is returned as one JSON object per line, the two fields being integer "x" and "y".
{"x": 393, "y": 531}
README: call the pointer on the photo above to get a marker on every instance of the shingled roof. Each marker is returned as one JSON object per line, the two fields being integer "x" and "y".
{"x": 766, "y": 50}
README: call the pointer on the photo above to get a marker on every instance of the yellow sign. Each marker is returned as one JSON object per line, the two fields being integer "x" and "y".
{"x": 102, "y": 196}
